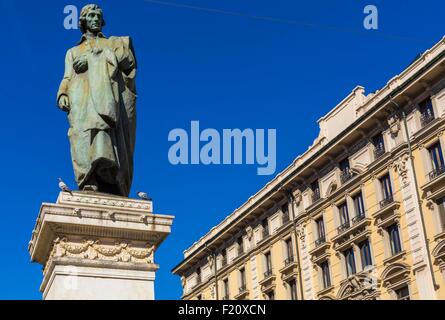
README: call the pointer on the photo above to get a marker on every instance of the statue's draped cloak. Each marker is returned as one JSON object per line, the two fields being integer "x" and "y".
{"x": 102, "y": 113}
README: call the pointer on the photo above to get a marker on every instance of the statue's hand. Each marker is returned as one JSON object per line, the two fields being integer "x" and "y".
{"x": 80, "y": 64}
{"x": 64, "y": 103}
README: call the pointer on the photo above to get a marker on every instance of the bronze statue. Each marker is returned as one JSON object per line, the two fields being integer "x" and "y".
{"x": 98, "y": 93}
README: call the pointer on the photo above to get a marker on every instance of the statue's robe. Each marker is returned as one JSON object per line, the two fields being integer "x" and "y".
{"x": 102, "y": 114}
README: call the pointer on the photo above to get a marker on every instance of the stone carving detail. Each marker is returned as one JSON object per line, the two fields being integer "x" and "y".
{"x": 91, "y": 199}
{"x": 359, "y": 287}
{"x": 210, "y": 260}
{"x": 401, "y": 167}
{"x": 430, "y": 205}
{"x": 394, "y": 125}
{"x": 300, "y": 230}
{"x": 93, "y": 249}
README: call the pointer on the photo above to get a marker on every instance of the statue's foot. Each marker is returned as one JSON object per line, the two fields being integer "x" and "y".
{"x": 90, "y": 187}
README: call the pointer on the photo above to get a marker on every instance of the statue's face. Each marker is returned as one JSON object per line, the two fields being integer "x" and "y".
{"x": 94, "y": 21}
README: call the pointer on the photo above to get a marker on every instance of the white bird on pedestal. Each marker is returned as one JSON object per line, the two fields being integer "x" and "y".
{"x": 64, "y": 187}
{"x": 143, "y": 196}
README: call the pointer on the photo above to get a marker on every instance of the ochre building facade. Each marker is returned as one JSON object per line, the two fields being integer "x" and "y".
{"x": 359, "y": 215}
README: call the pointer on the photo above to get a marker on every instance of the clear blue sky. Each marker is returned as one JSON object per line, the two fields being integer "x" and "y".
{"x": 225, "y": 71}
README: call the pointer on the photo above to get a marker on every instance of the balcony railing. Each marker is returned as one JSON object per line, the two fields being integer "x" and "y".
{"x": 285, "y": 219}
{"x": 242, "y": 289}
{"x": 343, "y": 227}
{"x": 378, "y": 152}
{"x": 268, "y": 274}
{"x": 426, "y": 118}
{"x": 315, "y": 196}
{"x": 320, "y": 241}
{"x": 358, "y": 218}
{"x": 345, "y": 176}
{"x": 437, "y": 172}
{"x": 388, "y": 200}
{"x": 289, "y": 260}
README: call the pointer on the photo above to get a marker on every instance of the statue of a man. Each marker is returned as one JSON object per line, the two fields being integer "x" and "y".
{"x": 98, "y": 93}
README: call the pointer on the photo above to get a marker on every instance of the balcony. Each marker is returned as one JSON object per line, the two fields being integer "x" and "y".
{"x": 320, "y": 241}
{"x": 320, "y": 250}
{"x": 242, "y": 292}
{"x": 268, "y": 281}
{"x": 435, "y": 185}
{"x": 288, "y": 261}
{"x": 358, "y": 219}
{"x": 289, "y": 269}
{"x": 352, "y": 232}
{"x": 343, "y": 227}
{"x": 436, "y": 172}
{"x": 223, "y": 262}
{"x": 386, "y": 202}
{"x": 316, "y": 196}
{"x": 285, "y": 219}
{"x": 268, "y": 273}
{"x": 426, "y": 118}
{"x": 345, "y": 176}
{"x": 266, "y": 233}
{"x": 388, "y": 212}
{"x": 378, "y": 152}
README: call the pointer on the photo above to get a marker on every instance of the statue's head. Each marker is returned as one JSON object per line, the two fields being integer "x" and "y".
{"x": 91, "y": 19}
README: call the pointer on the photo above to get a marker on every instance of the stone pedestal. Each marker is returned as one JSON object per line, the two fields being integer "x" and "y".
{"x": 98, "y": 246}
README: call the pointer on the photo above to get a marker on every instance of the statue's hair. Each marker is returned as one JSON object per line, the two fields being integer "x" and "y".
{"x": 83, "y": 16}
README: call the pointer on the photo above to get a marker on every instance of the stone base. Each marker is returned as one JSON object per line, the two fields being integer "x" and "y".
{"x": 98, "y": 246}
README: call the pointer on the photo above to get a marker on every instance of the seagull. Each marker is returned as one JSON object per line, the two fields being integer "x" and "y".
{"x": 64, "y": 187}
{"x": 143, "y": 196}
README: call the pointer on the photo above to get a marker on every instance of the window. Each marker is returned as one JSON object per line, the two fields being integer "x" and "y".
{"x": 385, "y": 184}
{"x": 345, "y": 174}
{"x": 268, "y": 264}
{"x": 441, "y": 207}
{"x": 349, "y": 261}
{"x": 320, "y": 229}
{"x": 242, "y": 279}
{"x": 285, "y": 211}
{"x": 223, "y": 258}
{"x": 289, "y": 251}
{"x": 426, "y": 112}
{"x": 265, "y": 225}
{"x": 365, "y": 253}
{"x": 315, "y": 191}
{"x": 293, "y": 289}
{"x": 226, "y": 288}
{"x": 285, "y": 208}
{"x": 198, "y": 276}
{"x": 394, "y": 239}
{"x": 240, "y": 246}
{"x": 344, "y": 217}
{"x": 379, "y": 145}
{"x": 437, "y": 163}
{"x": 326, "y": 276}
{"x": 359, "y": 205}
{"x": 402, "y": 293}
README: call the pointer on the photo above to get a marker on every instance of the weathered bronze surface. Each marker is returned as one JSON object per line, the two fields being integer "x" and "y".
{"x": 98, "y": 93}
